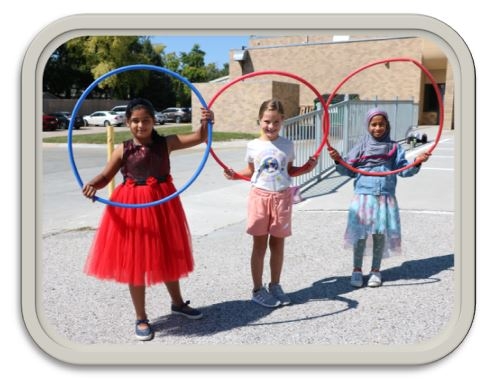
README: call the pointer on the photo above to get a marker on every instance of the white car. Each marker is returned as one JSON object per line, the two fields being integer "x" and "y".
{"x": 103, "y": 118}
{"x": 121, "y": 110}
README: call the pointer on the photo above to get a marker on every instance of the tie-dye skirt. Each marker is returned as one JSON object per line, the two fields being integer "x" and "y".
{"x": 370, "y": 214}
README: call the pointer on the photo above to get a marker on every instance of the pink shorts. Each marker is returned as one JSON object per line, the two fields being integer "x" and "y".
{"x": 269, "y": 212}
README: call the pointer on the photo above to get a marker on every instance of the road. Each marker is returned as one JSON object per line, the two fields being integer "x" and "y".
{"x": 212, "y": 195}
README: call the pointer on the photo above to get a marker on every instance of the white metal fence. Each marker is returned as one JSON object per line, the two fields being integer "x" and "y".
{"x": 347, "y": 125}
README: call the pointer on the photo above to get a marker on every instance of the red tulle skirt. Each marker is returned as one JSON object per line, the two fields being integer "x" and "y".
{"x": 142, "y": 246}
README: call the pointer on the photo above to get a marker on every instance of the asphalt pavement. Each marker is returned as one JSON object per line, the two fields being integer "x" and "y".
{"x": 329, "y": 319}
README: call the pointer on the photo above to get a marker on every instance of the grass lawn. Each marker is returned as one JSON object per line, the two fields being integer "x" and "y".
{"x": 124, "y": 134}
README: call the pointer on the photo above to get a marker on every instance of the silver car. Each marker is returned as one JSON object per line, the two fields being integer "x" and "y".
{"x": 159, "y": 118}
{"x": 177, "y": 114}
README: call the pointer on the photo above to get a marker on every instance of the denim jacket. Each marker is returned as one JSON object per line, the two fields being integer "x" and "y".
{"x": 380, "y": 185}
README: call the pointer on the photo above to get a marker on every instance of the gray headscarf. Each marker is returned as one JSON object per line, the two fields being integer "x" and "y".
{"x": 370, "y": 152}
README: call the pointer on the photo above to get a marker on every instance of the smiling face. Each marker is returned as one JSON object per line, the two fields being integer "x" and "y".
{"x": 141, "y": 124}
{"x": 378, "y": 126}
{"x": 271, "y": 124}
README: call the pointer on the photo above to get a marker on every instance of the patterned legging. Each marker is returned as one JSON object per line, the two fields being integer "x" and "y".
{"x": 377, "y": 251}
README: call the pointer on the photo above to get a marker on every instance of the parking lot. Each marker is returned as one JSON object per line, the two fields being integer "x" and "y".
{"x": 92, "y": 130}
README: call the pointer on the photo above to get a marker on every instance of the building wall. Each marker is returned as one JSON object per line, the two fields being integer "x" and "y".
{"x": 87, "y": 107}
{"x": 236, "y": 107}
{"x": 449, "y": 99}
{"x": 325, "y": 64}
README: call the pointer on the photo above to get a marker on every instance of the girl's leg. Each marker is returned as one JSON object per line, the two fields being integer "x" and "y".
{"x": 378, "y": 251}
{"x": 257, "y": 260}
{"x": 138, "y": 298}
{"x": 178, "y": 305}
{"x": 375, "y": 279}
{"x": 358, "y": 251}
{"x": 175, "y": 292}
{"x": 276, "y": 245}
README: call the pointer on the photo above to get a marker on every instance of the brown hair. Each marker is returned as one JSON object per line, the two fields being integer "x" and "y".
{"x": 271, "y": 105}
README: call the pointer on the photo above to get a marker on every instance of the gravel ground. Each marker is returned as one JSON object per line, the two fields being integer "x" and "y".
{"x": 414, "y": 304}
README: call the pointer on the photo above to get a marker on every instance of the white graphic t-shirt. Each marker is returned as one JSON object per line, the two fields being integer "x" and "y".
{"x": 270, "y": 159}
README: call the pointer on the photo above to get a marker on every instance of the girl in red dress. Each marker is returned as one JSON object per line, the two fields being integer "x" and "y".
{"x": 144, "y": 246}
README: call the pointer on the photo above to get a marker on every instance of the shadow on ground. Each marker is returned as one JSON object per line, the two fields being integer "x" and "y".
{"x": 231, "y": 314}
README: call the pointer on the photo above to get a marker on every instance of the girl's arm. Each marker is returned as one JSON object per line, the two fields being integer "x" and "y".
{"x": 402, "y": 162}
{"x": 342, "y": 170}
{"x": 305, "y": 168}
{"x": 176, "y": 142}
{"x": 107, "y": 174}
{"x": 423, "y": 157}
{"x": 245, "y": 172}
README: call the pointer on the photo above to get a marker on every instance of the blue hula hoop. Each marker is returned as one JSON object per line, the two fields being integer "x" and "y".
{"x": 78, "y": 106}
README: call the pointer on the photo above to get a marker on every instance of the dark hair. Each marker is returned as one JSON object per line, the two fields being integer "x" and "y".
{"x": 139, "y": 103}
{"x": 142, "y": 103}
{"x": 271, "y": 105}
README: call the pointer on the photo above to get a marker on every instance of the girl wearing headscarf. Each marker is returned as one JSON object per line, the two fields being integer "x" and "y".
{"x": 374, "y": 209}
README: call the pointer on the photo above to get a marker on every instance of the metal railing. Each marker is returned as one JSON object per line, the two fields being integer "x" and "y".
{"x": 347, "y": 125}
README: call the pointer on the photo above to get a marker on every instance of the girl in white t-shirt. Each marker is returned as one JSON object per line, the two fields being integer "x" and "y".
{"x": 270, "y": 167}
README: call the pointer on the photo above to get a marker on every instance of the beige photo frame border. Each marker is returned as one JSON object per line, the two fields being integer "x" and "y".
{"x": 74, "y": 26}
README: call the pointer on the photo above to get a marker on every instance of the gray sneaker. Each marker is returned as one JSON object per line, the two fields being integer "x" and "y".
{"x": 356, "y": 279}
{"x": 277, "y": 292}
{"x": 264, "y": 298}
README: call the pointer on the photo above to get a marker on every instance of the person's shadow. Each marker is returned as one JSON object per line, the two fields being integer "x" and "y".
{"x": 231, "y": 314}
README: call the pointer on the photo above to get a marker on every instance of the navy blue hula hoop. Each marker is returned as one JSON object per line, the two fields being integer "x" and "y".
{"x": 78, "y": 106}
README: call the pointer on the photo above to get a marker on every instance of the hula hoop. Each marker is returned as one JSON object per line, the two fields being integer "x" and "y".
{"x": 439, "y": 100}
{"x": 78, "y": 106}
{"x": 282, "y": 73}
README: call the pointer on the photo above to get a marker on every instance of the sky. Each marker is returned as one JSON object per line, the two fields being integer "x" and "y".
{"x": 216, "y": 47}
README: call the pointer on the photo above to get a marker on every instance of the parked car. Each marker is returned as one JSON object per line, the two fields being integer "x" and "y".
{"x": 103, "y": 118}
{"x": 50, "y": 123}
{"x": 159, "y": 118}
{"x": 64, "y": 118}
{"x": 121, "y": 110}
{"x": 177, "y": 114}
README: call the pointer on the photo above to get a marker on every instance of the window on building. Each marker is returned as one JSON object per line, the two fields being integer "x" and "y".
{"x": 430, "y": 98}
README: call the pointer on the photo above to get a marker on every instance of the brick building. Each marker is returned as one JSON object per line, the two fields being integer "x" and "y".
{"x": 324, "y": 61}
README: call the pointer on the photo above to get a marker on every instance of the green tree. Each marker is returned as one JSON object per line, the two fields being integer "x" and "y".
{"x": 106, "y": 53}
{"x": 77, "y": 63}
{"x": 67, "y": 72}
{"x": 192, "y": 67}
{"x": 159, "y": 89}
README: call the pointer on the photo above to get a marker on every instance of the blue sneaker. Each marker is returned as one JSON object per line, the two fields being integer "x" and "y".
{"x": 143, "y": 334}
{"x": 356, "y": 279}
{"x": 264, "y": 298}
{"x": 186, "y": 311}
{"x": 276, "y": 291}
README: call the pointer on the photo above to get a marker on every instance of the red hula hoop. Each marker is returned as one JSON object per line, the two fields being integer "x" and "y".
{"x": 325, "y": 120}
{"x": 439, "y": 100}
